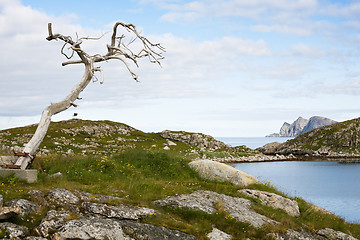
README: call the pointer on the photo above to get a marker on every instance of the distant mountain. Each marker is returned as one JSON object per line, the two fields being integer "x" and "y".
{"x": 302, "y": 125}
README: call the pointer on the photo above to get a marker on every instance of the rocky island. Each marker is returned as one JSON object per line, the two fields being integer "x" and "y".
{"x": 301, "y": 125}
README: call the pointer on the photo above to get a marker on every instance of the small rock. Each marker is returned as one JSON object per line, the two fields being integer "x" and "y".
{"x": 55, "y": 175}
{"x": 101, "y": 229}
{"x": 1, "y": 201}
{"x": 61, "y": 196}
{"x": 166, "y": 148}
{"x": 171, "y": 143}
{"x": 216, "y": 234}
{"x": 25, "y": 206}
{"x": 320, "y": 209}
{"x": 15, "y": 231}
{"x": 274, "y": 200}
{"x": 119, "y": 212}
{"x": 8, "y": 212}
{"x": 222, "y": 172}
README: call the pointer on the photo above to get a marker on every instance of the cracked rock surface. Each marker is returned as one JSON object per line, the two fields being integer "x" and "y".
{"x": 238, "y": 208}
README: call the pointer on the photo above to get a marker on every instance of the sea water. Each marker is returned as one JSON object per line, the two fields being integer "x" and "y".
{"x": 328, "y": 184}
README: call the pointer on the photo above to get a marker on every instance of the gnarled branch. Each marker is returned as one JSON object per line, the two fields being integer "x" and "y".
{"x": 118, "y": 52}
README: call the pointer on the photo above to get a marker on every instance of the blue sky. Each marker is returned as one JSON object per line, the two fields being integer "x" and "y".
{"x": 231, "y": 67}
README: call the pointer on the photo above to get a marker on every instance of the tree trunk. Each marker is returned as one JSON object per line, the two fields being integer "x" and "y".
{"x": 116, "y": 51}
{"x": 31, "y": 147}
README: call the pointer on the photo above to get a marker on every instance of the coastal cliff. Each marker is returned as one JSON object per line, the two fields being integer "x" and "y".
{"x": 337, "y": 140}
{"x": 301, "y": 125}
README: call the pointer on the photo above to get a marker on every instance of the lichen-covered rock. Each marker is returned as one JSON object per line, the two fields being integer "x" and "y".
{"x": 99, "y": 229}
{"x": 237, "y": 208}
{"x": 151, "y": 232}
{"x": 8, "y": 212}
{"x": 329, "y": 233}
{"x": 61, "y": 196}
{"x": 217, "y": 171}
{"x": 274, "y": 200}
{"x": 294, "y": 235}
{"x": 14, "y": 231}
{"x": 53, "y": 221}
{"x": 119, "y": 212}
{"x": 323, "y": 234}
{"x": 216, "y": 234}
{"x": 85, "y": 196}
{"x": 25, "y": 206}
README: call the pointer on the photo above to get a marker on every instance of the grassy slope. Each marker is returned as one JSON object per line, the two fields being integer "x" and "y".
{"x": 102, "y": 137}
{"x": 142, "y": 174}
{"x": 139, "y": 177}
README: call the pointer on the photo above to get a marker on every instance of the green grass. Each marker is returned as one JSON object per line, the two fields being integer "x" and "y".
{"x": 139, "y": 177}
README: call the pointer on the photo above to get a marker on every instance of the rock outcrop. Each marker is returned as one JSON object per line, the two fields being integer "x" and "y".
{"x": 201, "y": 141}
{"x": 84, "y": 220}
{"x": 117, "y": 212}
{"x": 323, "y": 234}
{"x": 88, "y": 228}
{"x": 274, "y": 200}
{"x": 237, "y": 208}
{"x": 76, "y": 218}
{"x": 302, "y": 125}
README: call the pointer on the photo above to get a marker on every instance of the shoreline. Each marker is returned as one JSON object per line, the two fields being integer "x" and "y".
{"x": 283, "y": 158}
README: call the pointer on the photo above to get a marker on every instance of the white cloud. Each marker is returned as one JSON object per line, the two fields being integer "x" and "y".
{"x": 304, "y": 50}
{"x": 286, "y": 29}
{"x": 36, "y": 78}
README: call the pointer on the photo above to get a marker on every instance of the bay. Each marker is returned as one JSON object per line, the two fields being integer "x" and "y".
{"x": 251, "y": 142}
{"x": 328, "y": 184}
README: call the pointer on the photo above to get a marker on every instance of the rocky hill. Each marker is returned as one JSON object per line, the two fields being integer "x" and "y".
{"x": 86, "y": 137}
{"x": 339, "y": 139}
{"x": 301, "y": 125}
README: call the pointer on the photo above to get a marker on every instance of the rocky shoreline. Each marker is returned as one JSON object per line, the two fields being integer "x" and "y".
{"x": 273, "y": 158}
{"x": 75, "y": 214}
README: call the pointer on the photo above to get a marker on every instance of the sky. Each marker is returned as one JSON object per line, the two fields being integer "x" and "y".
{"x": 232, "y": 68}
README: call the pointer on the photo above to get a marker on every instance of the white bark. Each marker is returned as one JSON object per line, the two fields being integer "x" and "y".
{"x": 45, "y": 120}
{"x": 118, "y": 52}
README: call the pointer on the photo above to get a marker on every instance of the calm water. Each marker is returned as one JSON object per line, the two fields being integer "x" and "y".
{"x": 251, "y": 142}
{"x": 331, "y": 185}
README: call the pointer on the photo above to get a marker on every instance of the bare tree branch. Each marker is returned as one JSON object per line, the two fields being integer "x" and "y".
{"x": 118, "y": 51}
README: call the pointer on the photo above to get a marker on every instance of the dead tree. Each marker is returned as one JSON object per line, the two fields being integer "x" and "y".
{"x": 116, "y": 50}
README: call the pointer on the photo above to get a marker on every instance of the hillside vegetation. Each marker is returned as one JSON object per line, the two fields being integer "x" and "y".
{"x": 106, "y": 137}
{"x": 112, "y": 165}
